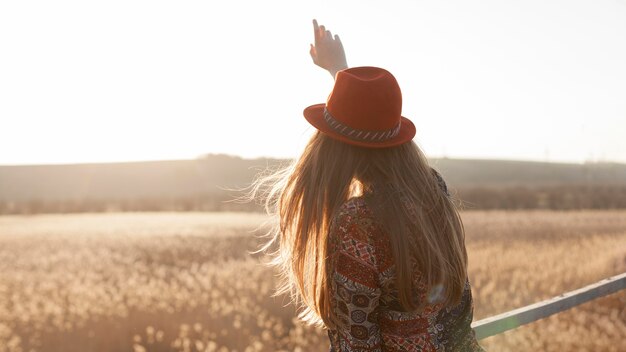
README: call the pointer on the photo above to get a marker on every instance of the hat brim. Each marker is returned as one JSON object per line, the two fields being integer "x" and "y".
{"x": 314, "y": 114}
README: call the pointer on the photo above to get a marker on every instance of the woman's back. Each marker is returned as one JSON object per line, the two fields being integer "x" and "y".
{"x": 370, "y": 317}
{"x": 338, "y": 264}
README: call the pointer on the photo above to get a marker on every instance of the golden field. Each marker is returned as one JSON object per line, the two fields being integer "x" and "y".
{"x": 188, "y": 282}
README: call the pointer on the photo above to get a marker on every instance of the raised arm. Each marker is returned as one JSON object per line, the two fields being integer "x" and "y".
{"x": 327, "y": 52}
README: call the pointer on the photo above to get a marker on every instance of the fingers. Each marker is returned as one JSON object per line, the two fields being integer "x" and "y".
{"x": 322, "y": 34}
{"x": 313, "y": 53}
{"x": 338, "y": 40}
{"x": 316, "y": 32}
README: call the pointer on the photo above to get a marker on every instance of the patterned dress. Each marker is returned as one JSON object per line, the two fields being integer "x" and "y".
{"x": 370, "y": 318}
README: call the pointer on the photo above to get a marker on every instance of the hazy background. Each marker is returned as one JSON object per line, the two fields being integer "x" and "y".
{"x": 126, "y": 125}
{"x": 85, "y": 81}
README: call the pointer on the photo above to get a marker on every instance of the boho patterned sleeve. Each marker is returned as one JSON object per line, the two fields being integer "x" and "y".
{"x": 355, "y": 291}
{"x": 441, "y": 182}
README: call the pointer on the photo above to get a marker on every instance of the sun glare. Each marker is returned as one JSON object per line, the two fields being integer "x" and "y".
{"x": 143, "y": 80}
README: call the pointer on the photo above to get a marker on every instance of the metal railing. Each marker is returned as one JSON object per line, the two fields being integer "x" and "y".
{"x": 518, "y": 317}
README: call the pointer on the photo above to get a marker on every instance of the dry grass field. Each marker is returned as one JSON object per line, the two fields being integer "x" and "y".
{"x": 186, "y": 282}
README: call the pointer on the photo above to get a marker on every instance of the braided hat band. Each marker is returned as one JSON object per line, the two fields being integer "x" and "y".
{"x": 360, "y": 135}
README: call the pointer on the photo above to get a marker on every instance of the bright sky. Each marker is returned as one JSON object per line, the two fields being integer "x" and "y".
{"x": 87, "y": 81}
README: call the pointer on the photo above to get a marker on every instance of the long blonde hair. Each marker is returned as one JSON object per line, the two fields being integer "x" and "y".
{"x": 422, "y": 222}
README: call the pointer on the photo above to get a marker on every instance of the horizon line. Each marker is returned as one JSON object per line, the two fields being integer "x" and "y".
{"x": 201, "y": 156}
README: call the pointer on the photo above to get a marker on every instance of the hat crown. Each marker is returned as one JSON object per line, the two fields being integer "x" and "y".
{"x": 363, "y": 109}
{"x": 366, "y": 98}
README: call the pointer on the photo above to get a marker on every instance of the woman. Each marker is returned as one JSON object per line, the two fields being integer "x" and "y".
{"x": 370, "y": 244}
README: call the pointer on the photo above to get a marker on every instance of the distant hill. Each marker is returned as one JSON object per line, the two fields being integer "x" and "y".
{"x": 464, "y": 173}
{"x": 206, "y": 178}
{"x": 172, "y": 178}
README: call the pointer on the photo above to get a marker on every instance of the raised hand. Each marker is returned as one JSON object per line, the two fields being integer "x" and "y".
{"x": 327, "y": 52}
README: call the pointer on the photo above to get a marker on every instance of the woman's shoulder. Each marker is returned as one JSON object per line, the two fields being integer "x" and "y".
{"x": 355, "y": 234}
{"x": 440, "y": 181}
{"x": 356, "y": 221}
{"x": 355, "y": 212}
{"x": 354, "y": 206}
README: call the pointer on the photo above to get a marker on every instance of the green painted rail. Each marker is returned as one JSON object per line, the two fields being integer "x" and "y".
{"x": 521, "y": 316}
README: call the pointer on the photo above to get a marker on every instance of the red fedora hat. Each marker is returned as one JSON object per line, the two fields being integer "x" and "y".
{"x": 363, "y": 109}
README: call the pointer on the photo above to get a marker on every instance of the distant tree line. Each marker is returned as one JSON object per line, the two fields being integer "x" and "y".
{"x": 549, "y": 197}
{"x": 210, "y": 202}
